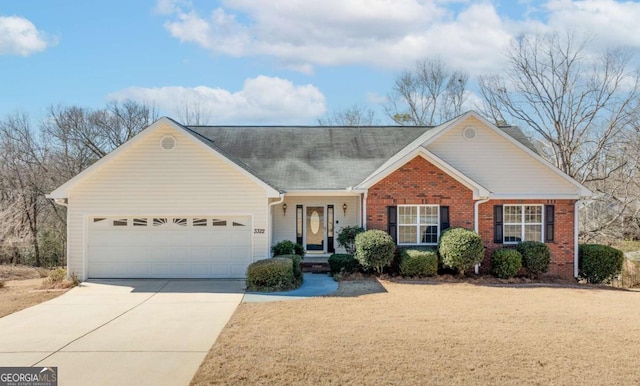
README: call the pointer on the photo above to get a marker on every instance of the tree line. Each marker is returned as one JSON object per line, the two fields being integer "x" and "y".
{"x": 36, "y": 160}
{"x": 579, "y": 106}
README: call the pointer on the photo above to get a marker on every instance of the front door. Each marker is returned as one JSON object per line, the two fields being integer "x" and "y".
{"x": 315, "y": 229}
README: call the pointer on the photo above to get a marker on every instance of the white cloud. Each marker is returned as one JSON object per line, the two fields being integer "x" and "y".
{"x": 383, "y": 33}
{"x": 262, "y": 100}
{"x": 390, "y": 34}
{"x": 18, "y": 36}
{"x": 612, "y": 23}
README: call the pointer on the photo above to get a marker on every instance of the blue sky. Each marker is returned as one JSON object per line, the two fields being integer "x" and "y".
{"x": 264, "y": 61}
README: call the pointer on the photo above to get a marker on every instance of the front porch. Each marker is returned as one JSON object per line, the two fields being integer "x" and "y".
{"x": 314, "y": 221}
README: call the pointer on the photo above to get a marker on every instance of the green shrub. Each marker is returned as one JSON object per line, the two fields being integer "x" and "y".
{"x": 374, "y": 249}
{"x": 460, "y": 249}
{"x": 347, "y": 238}
{"x": 599, "y": 263}
{"x": 297, "y": 269}
{"x": 287, "y": 247}
{"x": 343, "y": 264}
{"x": 51, "y": 246}
{"x": 270, "y": 275}
{"x": 57, "y": 275}
{"x": 58, "y": 278}
{"x": 536, "y": 257}
{"x": 505, "y": 262}
{"x": 418, "y": 262}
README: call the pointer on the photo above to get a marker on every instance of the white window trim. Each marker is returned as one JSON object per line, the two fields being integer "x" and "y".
{"x": 417, "y": 224}
{"x": 522, "y": 223}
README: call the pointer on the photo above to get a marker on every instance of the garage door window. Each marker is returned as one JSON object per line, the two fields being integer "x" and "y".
{"x": 121, "y": 222}
{"x": 139, "y": 222}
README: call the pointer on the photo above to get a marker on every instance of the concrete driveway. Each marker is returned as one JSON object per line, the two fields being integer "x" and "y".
{"x": 119, "y": 332}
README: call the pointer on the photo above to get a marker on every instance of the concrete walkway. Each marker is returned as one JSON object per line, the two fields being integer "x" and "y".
{"x": 122, "y": 332}
{"x": 314, "y": 284}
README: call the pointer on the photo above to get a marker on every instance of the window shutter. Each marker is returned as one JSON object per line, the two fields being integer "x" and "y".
{"x": 444, "y": 218}
{"x": 299, "y": 226}
{"x": 497, "y": 224}
{"x": 549, "y": 219}
{"x": 392, "y": 222}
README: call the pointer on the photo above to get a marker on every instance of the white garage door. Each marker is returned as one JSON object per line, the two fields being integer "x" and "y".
{"x": 169, "y": 247}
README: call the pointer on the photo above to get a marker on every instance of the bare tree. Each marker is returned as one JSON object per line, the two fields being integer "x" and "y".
{"x": 193, "y": 113}
{"x": 584, "y": 108}
{"x": 99, "y": 131}
{"x": 579, "y": 104}
{"x": 356, "y": 115}
{"x": 23, "y": 179}
{"x": 428, "y": 95}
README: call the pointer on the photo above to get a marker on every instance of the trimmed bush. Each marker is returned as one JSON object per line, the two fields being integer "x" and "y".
{"x": 270, "y": 275}
{"x": 536, "y": 257}
{"x": 374, "y": 249}
{"x": 287, "y": 247}
{"x": 343, "y": 264}
{"x": 418, "y": 262}
{"x": 505, "y": 262}
{"x": 460, "y": 249}
{"x": 599, "y": 263}
{"x": 297, "y": 269}
{"x": 347, "y": 238}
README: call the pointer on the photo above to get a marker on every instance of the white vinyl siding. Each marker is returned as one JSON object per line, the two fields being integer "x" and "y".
{"x": 497, "y": 164}
{"x": 418, "y": 224}
{"x": 146, "y": 180}
{"x": 522, "y": 223}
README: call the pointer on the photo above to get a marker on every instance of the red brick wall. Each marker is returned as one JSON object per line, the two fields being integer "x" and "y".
{"x": 420, "y": 182}
{"x": 561, "y": 248}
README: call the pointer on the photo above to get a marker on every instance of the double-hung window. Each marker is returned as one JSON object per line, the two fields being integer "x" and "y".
{"x": 522, "y": 223}
{"x": 418, "y": 224}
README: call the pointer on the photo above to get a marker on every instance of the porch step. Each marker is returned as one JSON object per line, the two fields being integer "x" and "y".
{"x": 315, "y": 266}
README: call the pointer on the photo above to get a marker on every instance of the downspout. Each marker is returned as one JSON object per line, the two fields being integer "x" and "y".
{"x": 363, "y": 221}
{"x": 476, "y": 225}
{"x": 270, "y": 230}
{"x": 576, "y": 230}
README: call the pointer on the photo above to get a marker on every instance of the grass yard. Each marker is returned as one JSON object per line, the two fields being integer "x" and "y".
{"x": 22, "y": 287}
{"x": 444, "y": 333}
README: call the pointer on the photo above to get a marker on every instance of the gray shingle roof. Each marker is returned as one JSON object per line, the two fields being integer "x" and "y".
{"x": 313, "y": 158}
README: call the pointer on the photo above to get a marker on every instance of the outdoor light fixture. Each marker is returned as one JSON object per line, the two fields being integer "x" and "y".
{"x": 284, "y": 209}
{"x": 344, "y": 208}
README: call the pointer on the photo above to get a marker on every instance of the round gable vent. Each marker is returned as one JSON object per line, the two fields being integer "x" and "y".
{"x": 168, "y": 142}
{"x": 469, "y": 133}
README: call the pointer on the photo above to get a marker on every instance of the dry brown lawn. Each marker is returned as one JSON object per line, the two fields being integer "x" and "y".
{"x": 440, "y": 333}
{"x": 23, "y": 287}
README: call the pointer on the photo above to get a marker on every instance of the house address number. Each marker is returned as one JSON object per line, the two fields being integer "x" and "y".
{"x": 258, "y": 230}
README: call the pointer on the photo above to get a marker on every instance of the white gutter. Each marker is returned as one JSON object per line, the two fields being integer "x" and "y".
{"x": 269, "y": 231}
{"x": 576, "y": 230}
{"x": 476, "y": 225}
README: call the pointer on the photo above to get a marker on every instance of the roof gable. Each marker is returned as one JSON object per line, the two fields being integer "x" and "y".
{"x": 63, "y": 191}
{"x": 508, "y": 167}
